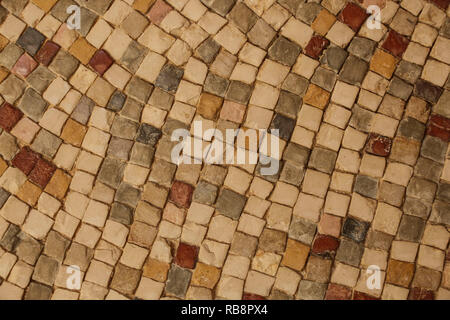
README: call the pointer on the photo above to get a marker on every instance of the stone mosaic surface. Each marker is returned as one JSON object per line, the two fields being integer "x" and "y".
{"x": 86, "y": 177}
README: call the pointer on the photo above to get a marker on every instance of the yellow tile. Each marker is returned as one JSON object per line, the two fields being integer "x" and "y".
{"x": 316, "y": 96}
{"x": 143, "y": 5}
{"x": 29, "y": 193}
{"x": 82, "y": 50}
{"x": 383, "y": 63}
{"x": 45, "y": 5}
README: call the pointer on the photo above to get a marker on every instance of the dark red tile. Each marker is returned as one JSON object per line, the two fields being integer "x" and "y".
{"x": 186, "y": 256}
{"x": 316, "y": 46}
{"x": 101, "y": 61}
{"x": 338, "y": 292}
{"x": 158, "y": 11}
{"x": 363, "y": 296}
{"x": 443, "y": 4}
{"x": 42, "y": 173}
{"x": 252, "y": 296}
{"x": 439, "y": 127}
{"x": 47, "y": 52}
{"x": 9, "y": 116}
{"x": 24, "y": 66}
{"x": 420, "y": 294}
{"x": 379, "y": 145}
{"x": 25, "y": 160}
{"x": 353, "y": 16}
{"x": 325, "y": 245}
{"x": 396, "y": 43}
{"x": 181, "y": 194}
{"x": 440, "y": 121}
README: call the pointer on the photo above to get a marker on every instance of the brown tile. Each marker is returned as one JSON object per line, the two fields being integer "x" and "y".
{"x": 295, "y": 255}
{"x": 29, "y": 193}
{"x": 186, "y": 256}
{"x": 3, "y": 73}
{"x": 143, "y": 5}
{"x": 42, "y": 173}
{"x": 323, "y": 22}
{"x": 252, "y": 296}
{"x": 353, "y": 15}
{"x": 395, "y": 43}
{"x": 181, "y": 194}
{"x": 3, "y": 166}
{"x": 209, "y": 106}
{"x": 379, "y": 145}
{"x": 3, "y": 42}
{"x": 101, "y": 61}
{"x": 325, "y": 245}
{"x": 363, "y": 296}
{"x": 205, "y": 276}
{"x": 47, "y": 52}
{"x": 73, "y": 133}
{"x": 156, "y": 270}
{"x": 316, "y": 96}
{"x": 58, "y": 184}
{"x": 338, "y": 292}
{"x": 9, "y": 116}
{"x": 316, "y": 46}
{"x": 420, "y": 294}
{"x": 25, "y": 160}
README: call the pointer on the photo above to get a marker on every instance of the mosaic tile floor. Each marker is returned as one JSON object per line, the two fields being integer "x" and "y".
{"x": 87, "y": 180}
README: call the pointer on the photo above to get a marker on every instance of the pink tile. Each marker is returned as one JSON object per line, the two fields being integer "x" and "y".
{"x": 330, "y": 225}
{"x": 174, "y": 214}
{"x": 232, "y": 111}
{"x": 159, "y": 11}
{"x": 24, "y": 66}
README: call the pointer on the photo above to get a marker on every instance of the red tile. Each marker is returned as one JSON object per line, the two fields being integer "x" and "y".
{"x": 101, "y": 61}
{"x": 24, "y": 66}
{"x": 252, "y": 296}
{"x": 9, "y": 116}
{"x": 443, "y": 4}
{"x": 440, "y": 121}
{"x": 439, "y": 132}
{"x": 338, "y": 292}
{"x": 181, "y": 194}
{"x": 25, "y": 160}
{"x": 316, "y": 46}
{"x": 395, "y": 43}
{"x": 363, "y": 296}
{"x": 159, "y": 11}
{"x": 379, "y": 145}
{"x": 47, "y": 52}
{"x": 42, "y": 173}
{"x": 353, "y": 16}
{"x": 186, "y": 256}
{"x": 325, "y": 245}
{"x": 420, "y": 294}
